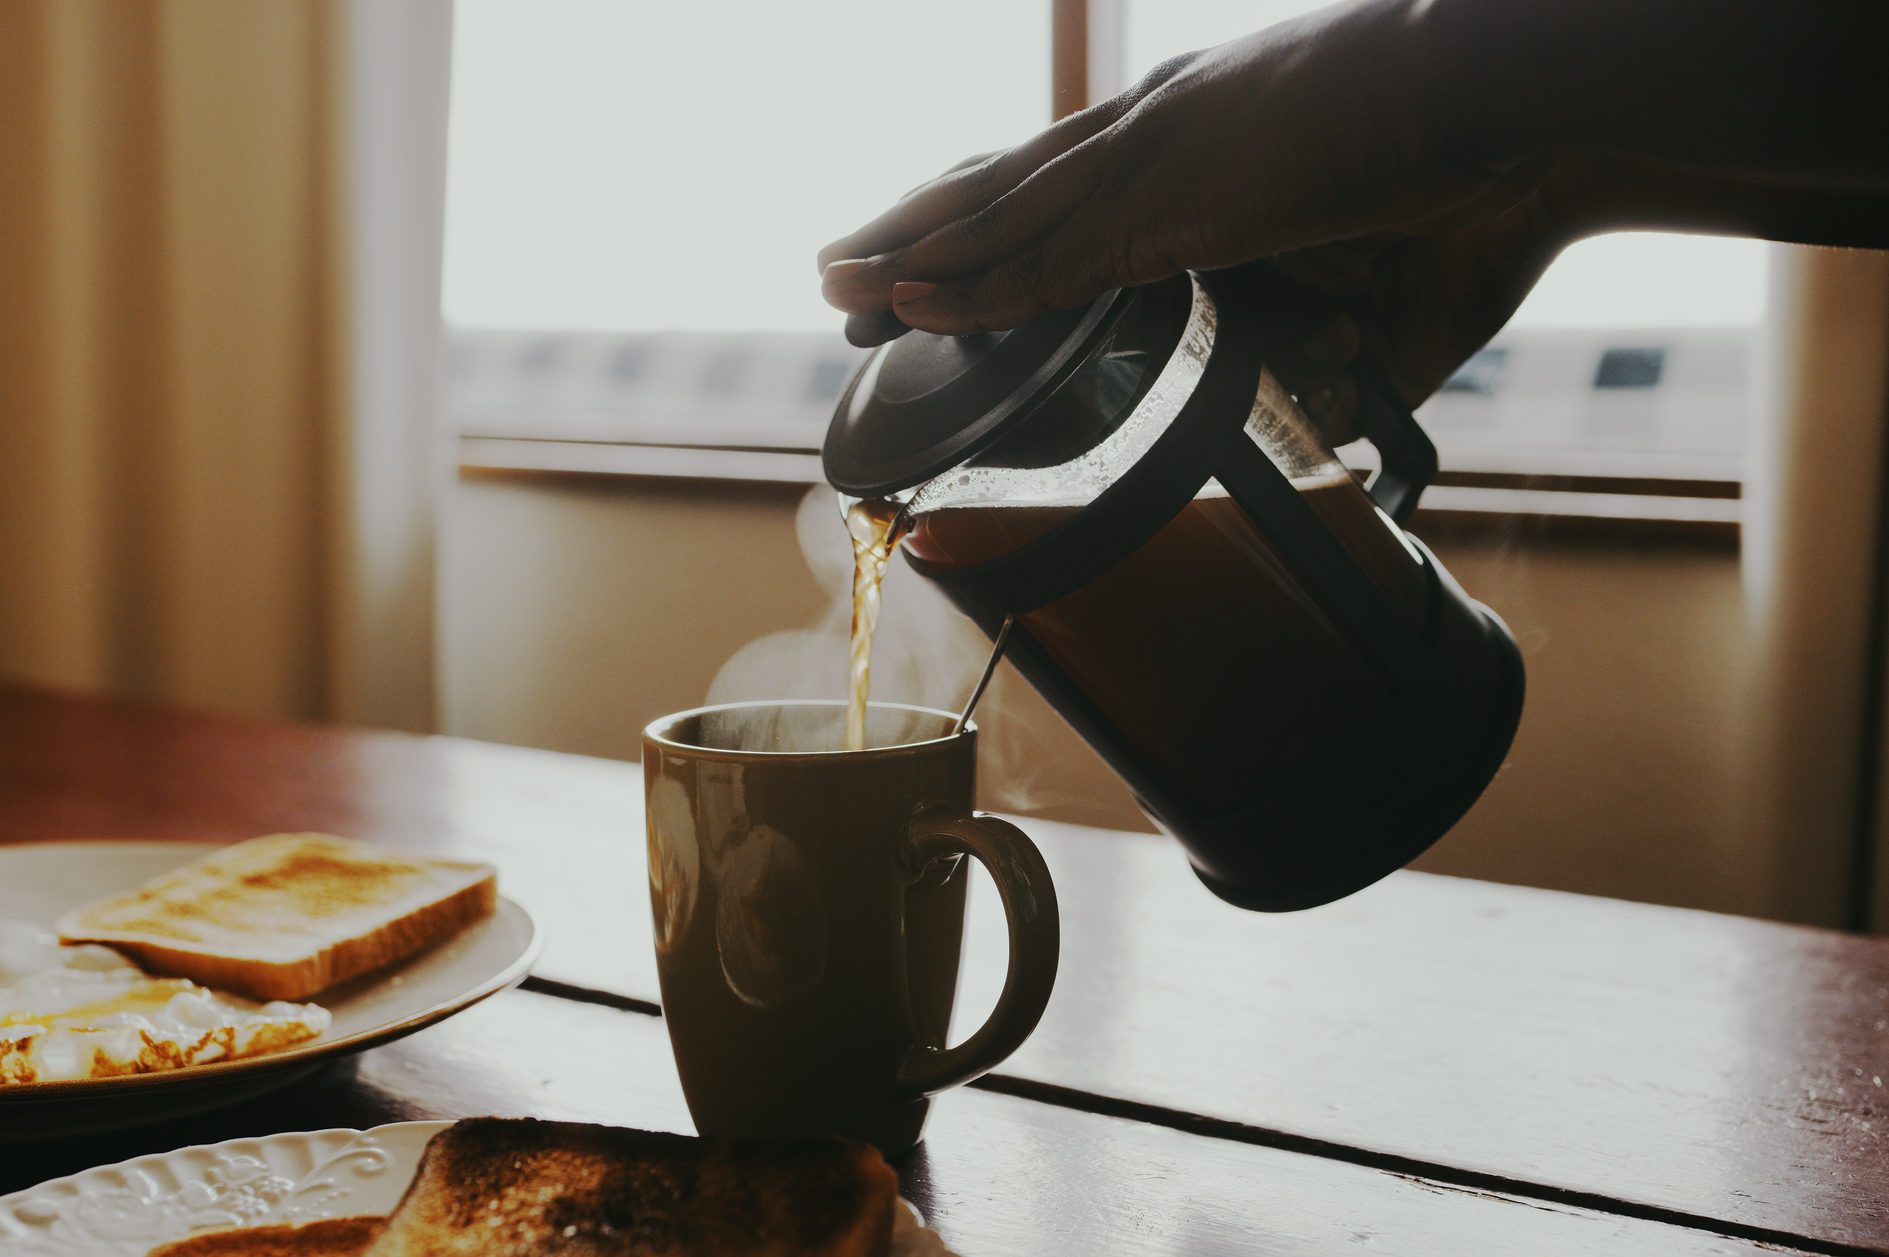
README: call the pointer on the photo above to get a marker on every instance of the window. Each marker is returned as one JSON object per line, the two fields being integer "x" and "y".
{"x": 633, "y": 206}
{"x": 631, "y": 219}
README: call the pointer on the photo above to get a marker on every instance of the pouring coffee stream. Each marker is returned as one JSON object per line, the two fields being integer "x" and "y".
{"x": 876, "y": 526}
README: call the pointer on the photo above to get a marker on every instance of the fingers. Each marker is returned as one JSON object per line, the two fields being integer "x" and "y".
{"x": 978, "y": 182}
{"x": 958, "y": 190}
{"x": 1331, "y": 403}
{"x": 975, "y": 159}
{"x": 1309, "y": 301}
{"x": 1012, "y": 294}
{"x": 1077, "y": 262}
{"x": 966, "y": 188}
{"x": 976, "y": 242}
{"x": 866, "y": 330}
{"x": 1319, "y": 374}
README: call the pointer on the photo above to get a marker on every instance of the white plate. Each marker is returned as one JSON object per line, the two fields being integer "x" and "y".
{"x": 41, "y": 881}
{"x": 123, "y": 1210}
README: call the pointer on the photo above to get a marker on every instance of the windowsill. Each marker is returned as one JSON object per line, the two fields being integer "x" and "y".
{"x": 1468, "y": 503}
{"x": 622, "y": 458}
{"x": 1477, "y": 511}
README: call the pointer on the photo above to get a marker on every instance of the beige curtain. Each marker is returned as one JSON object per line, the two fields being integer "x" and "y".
{"x": 204, "y": 497}
{"x": 1815, "y": 553}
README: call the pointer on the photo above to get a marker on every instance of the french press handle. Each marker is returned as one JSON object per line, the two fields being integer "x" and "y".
{"x": 1407, "y": 456}
{"x": 1279, "y": 306}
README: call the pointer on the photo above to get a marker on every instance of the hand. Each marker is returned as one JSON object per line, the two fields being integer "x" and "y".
{"x": 1421, "y": 305}
{"x": 1315, "y": 131}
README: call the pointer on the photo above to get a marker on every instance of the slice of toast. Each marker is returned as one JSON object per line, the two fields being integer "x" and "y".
{"x": 506, "y": 1188}
{"x": 329, "y": 1237}
{"x": 286, "y": 916}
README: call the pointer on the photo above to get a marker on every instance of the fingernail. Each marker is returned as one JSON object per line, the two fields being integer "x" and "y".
{"x": 842, "y": 285}
{"x": 909, "y": 290}
{"x": 842, "y": 270}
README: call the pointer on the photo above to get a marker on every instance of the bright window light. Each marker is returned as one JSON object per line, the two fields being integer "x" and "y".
{"x": 1157, "y": 29}
{"x": 1647, "y": 280}
{"x": 637, "y": 167}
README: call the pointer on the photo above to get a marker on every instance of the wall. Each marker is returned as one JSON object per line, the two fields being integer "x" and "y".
{"x": 575, "y": 610}
{"x": 1625, "y": 776}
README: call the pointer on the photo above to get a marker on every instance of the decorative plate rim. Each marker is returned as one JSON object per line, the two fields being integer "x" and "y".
{"x": 71, "y": 1182}
{"x": 53, "y": 1203}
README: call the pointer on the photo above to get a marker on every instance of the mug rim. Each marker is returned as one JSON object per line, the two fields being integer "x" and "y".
{"x": 657, "y": 731}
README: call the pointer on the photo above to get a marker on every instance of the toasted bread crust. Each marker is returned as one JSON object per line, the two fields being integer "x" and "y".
{"x": 347, "y": 958}
{"x": 498, "y": 1187}
{"x": 329, "y": 1237}
{"x": 355, "y": 908}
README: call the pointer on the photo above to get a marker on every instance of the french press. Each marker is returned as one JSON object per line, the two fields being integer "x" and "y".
{"x": 1290, "y": 684}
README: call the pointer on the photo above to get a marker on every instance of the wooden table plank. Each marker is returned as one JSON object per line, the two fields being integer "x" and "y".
{"x": 997, "y": 1175}
{"x": 1677, "y": 1061}
{"x": 1705, "y": 1064}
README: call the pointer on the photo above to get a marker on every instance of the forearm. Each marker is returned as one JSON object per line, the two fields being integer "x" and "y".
{"x": 1593, "y": 193}
{"x": 1783, "y": 91}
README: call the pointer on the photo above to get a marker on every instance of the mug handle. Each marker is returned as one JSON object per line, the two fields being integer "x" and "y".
{"x": 1029, "y": 899}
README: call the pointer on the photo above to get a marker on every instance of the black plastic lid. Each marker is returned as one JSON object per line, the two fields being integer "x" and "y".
{"x": 923, "y": 404}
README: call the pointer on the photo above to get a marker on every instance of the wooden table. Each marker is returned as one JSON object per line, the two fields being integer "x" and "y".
{"x": 1433, "y": 1066}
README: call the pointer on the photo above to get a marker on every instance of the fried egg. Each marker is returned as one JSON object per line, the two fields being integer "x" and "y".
{"x": 69, "y": 1012}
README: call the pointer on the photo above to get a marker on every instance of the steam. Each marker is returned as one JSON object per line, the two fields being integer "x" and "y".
{"x": 925, "y": 652}
{"x": 1498, "y": 569}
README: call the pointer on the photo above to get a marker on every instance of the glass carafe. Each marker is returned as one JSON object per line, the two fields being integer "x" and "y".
{"x": 1219, "y": 606}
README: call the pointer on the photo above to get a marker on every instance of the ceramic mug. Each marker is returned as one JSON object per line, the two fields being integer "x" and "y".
{"x": 809, "y": 907}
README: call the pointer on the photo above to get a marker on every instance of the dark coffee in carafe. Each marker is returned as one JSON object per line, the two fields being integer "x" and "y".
{"x": 1201, "y": 649}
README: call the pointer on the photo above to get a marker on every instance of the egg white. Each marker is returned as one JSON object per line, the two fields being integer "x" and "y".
{"x": 70, "y": 1012}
